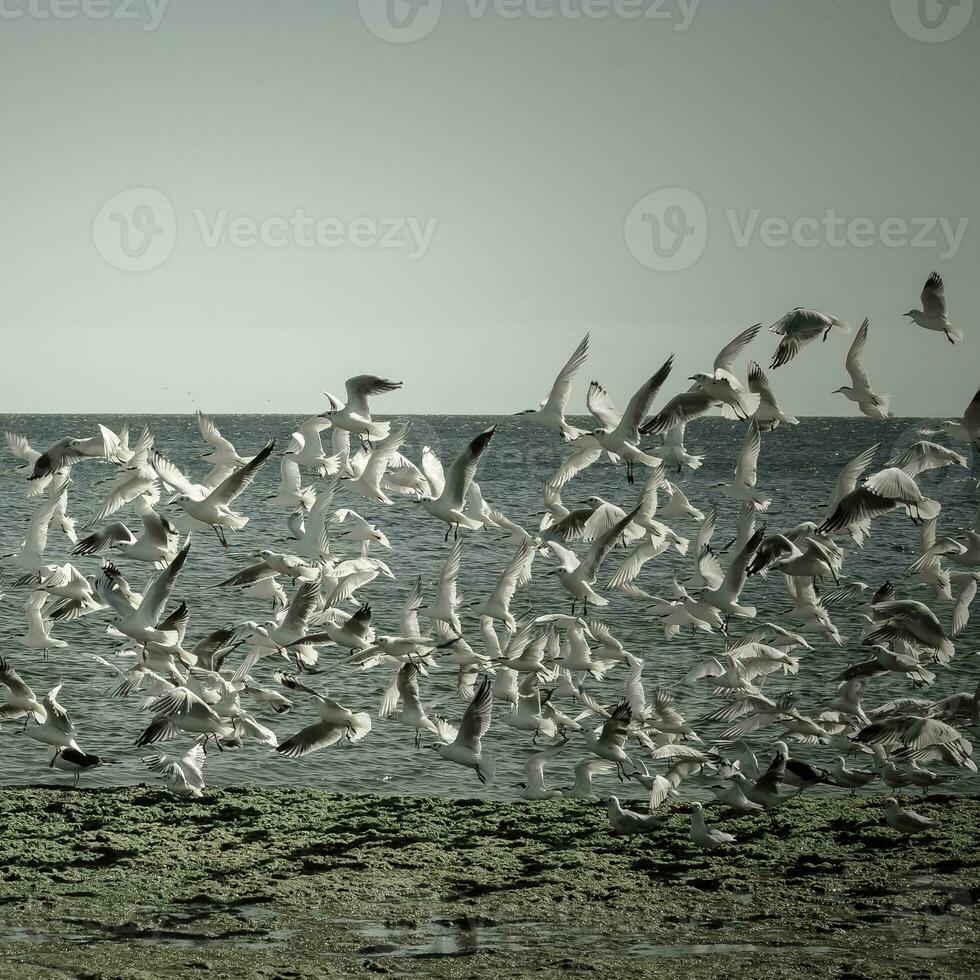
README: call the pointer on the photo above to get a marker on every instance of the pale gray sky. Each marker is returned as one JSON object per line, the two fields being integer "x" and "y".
{"x": 519, "y": 145}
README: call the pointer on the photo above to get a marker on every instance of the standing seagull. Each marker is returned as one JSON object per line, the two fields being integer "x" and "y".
{"x": 906, "y": 822}
{"x": 872, "y": 405}
{"x": 932, "y": 316}
{"x": 798, "y": 328}
{"x": 551, "y": 412}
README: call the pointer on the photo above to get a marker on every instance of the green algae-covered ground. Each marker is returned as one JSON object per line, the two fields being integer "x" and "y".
{"x": 298, "y": 883}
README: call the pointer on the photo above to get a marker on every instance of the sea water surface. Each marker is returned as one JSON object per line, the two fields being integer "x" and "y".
{"x": 798, "y": 465}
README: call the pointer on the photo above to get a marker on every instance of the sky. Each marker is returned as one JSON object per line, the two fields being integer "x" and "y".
{"x": 236, "y": 205}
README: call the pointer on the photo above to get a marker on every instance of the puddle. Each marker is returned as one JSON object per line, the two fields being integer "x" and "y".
{"x": 465, "y": 937}
{"x": 248, "y": 924}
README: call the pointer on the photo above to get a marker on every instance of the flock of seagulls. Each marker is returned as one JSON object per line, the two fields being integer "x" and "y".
{"x": 544, "y": 674}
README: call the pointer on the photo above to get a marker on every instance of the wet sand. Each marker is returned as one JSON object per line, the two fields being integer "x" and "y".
{"x": 136, "y": 883}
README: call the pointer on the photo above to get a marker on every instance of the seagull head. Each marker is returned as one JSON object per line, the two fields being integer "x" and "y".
{"x": 699, "y": 376}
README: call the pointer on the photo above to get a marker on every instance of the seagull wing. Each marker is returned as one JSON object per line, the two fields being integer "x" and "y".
{"x": 155, "y": 597}
{"x": 854, "y": 364}
{"x": 361, "y": 387}
{"x": 558, "y": 398}
{"x": 748, "y": 458}
{"x": 598, "y": 402}
{"x": 463, "y": 469}
{"x": 476, "y": 717}
{"x": 679, "y": 410}
{"x": 848, "y": 476}
{"x": 725, "y": 361}
{"x": 211, "y": 435}
{"x": 933, "y": 296}
{"x": 604, "y": 544}
{"x": 232, "y": 486}
{"x": 639, "y": 405}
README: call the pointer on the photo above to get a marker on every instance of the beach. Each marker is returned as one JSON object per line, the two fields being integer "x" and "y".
{"x": 136, "y": 882}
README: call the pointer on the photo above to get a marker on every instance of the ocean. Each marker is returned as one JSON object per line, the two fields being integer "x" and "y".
{"x": 798, "y": 465}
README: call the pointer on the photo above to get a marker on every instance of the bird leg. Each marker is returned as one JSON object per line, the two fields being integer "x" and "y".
{"x": 448, "y": 529}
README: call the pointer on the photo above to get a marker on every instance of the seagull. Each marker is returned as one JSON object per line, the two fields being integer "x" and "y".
{"x": 291, "y": 495}
{"x": 38, "y": 635}
{"x": 67, "y": 452}
{"x": 534, "y": 787}
{"x": 620, "y": 435}
{"x": 404, "y": 690}
{"x": 447, "y": 491}
{"x": 185, "y": 772}
{"x": 880, "y": 493}
{"x": 725, "y": 597}
{"x": 355, "y": 415}
{"x": 75, "y": 761}
{"x": 906, "y": 822}
{"x": 610, "y": 743}
{"x": 768, "y": 415}
{"x": 368, "y": 470}
{"x": 55, "y": 727}
{"x": 852, "y": 779}
{"x": 872, "y": 405}
{"x": 214, "y": 508}
{"x": 798, "y": 328}
{"x": 22, "y": 449}
{"x": 156, "y": 543}
{"x": 222, "y": 453}
{"x": 932, "y": 316}
{"x": 464, "y": 746}
{"x": 966, "y": 429}
{"x": 585, "y": 771}
{"x": 746, "y": 468}
{"x": 923, "y": 456}
{"x": 578, "y": 577}
{"x": 629, "y": 823}
{"x": 551, "y": 412}
{"x": 707, "y": 838}
{"x": 21, "y": 701}
{"x": 673, "y": 453}
{"x": 514, "y": 576}
{"x": 141, "y": 621}
{"x": 336, "y": 723}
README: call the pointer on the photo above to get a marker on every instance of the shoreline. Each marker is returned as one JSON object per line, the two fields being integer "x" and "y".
{"x": 136, "y": 882}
